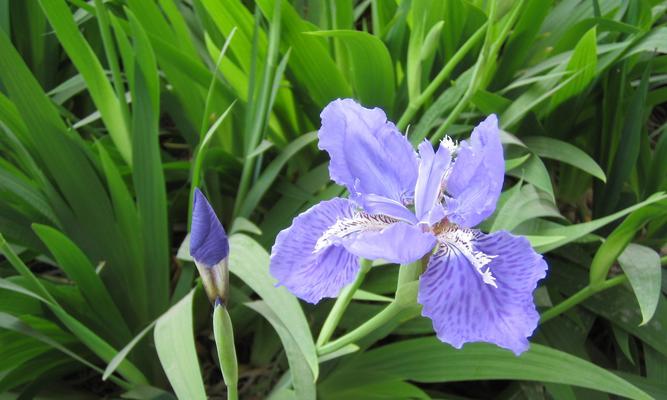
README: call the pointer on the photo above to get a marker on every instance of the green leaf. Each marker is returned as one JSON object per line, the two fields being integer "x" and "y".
{"x": 370, "y": 67}
{"x": 555, "y": 149}
{"x": 148, "y": 175}
{"x": 529, "y": 100}
{"x": 535, "y": 172}
{"x": 75, "y": 189}
{"x": 271, "y": 171}
{"x": 582, "y": 66}
{"x": 83, "y": 333}
{"x": 617, "y": 305}
{"x": 122, "y": 354}
{"x": 642, "y": 266}
{"x": 310, "y": 62}
{"x": 250, "y": 262}
{"x": 89, "y": 66}
{"x": 617, "y": 241}
{"x": 244, "y": 225}
{"x": 522, "y": 205}
{"x": 574, "y": 232}
{"x": 360, "y": 294}
{"x": 431, "y": 41}
{"x": 627, "y": 152}
{"x": 302, "y": 375}
{"x": 12, "y": 323}
{"x": 125, "y": 211}
{"x": 512, "y": 163}
{"x": 429, "y": 360}
{"x": 79, "y": 269}
{"x": 175, "y": 345}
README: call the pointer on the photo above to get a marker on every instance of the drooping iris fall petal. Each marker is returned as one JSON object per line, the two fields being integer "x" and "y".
{"x": 464, "y": 308}
{"x": 301, "y": 262}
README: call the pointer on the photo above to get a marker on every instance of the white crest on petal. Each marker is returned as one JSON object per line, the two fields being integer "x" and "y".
{"x": 359, "y": 222}
{"x": 452, "y": 147}
{"x": 461, "y": 240}
{"x": 450, "y": 144}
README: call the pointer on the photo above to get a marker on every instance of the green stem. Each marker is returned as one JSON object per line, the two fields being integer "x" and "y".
{"x": 663, "y": 261}
{"x": 224, "y": 342}
{"x": 403, "y": 306}
{"x": 444, "y": 73}
{"x": 383, "y": 317}
{"x": 411, "y": 272}
{"x": 580, "y": 296}
{"x": 341, "y": 304}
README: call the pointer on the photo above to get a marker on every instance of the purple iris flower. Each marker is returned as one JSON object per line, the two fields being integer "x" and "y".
{"x": 209, "y": 248}
{"x": 404, "y": 206}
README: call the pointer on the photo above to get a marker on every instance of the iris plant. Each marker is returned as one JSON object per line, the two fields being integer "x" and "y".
{"x": 405, "y": 206}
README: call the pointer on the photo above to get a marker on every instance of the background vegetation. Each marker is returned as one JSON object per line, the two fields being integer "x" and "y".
{"x": 112, "y": 111}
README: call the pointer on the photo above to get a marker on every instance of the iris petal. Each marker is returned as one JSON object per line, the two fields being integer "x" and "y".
{"x": 309, "y": 274}
{"x": 432, "y": 168}
{"x": 208, "y": 240}
{"x": 374, "y": 204}
{"x": 465, "y": 309}
{"x": 368, "y": 154}
{"x": 398, "y": 242}
{"x": 476, "y": 179}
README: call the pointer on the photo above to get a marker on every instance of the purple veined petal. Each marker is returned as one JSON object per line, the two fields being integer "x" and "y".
{"x": 477, "y": 175}
{"x": 208, "y": 240}
{"x": 432, "y": 169}
{"x": 374, "y": 204}
{"x": 368, "y": 154}
{"x": 309, "y": 274}
{"x": 465, "y": 309}
{"x": 398, "y": 242}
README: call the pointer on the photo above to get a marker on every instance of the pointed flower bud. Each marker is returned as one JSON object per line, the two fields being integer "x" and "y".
{"x": 209, "y": 248}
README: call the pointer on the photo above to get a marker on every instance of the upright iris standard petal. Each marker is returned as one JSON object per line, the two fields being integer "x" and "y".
{"x": 208, "y": 240}
{"x": 301, "y": 262}
{"x": 464, "y": 308}
{"x": 432, "y": 169}
{"x": 368, "y": 154}
{"x": 476, "y": 179}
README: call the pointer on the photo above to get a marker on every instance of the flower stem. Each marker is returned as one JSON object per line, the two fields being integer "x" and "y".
{"x": 341, "y": 304}
{"x": 383, "y": 317}
{"x": 224, "y": 342}
{"x": 411, "y": 272}
{"x": 404, "y": 307}
{"x": 580, "y": 296}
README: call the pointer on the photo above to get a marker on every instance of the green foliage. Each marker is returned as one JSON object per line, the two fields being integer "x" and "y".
{"x": 111, "y": 112}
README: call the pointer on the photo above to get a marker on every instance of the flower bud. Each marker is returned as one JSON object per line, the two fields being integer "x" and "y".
{"x": 209, "y": 248}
